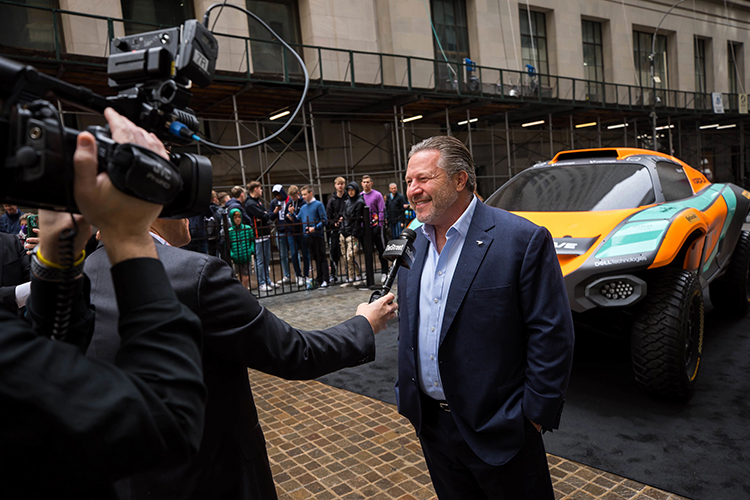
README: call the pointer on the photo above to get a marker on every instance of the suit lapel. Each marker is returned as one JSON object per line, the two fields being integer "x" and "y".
{"x": 412, "y": 289}
{"x": 475, "y": 248}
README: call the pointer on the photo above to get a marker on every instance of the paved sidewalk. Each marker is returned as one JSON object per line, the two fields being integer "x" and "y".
{"x": 326, "y": 443}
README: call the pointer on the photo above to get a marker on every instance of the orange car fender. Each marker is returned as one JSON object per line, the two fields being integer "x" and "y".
{"x": 689, "y": 227}
{"x": 709, "y": 222}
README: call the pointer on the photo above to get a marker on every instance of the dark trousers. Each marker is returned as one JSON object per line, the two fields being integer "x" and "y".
{"x": 458, "y": 473}
{"x": 299, "y": 244}
{"x": 333, "y": 244}
{"x": 317, "y": 249}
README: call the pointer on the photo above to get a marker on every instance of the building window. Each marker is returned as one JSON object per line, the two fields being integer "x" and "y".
{"x": 642, "y": 49}
{"x": 149, "y": 15}
{"x": 593, "y": 59}
{"x": 269, "y": 56}
{"x": 534, "y": 42}
{"x": 449, "y": 19}
{"x": 30, "y": 28}
{"x": 699, "y": 45}
{"x": 734, "y": 58}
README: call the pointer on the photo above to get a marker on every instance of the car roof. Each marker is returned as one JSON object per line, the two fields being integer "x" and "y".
{"x": 616, "y": 155}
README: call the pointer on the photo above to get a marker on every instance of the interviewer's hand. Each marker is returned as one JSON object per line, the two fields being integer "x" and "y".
{"x": 379, "y": 312}
{"x": 123, "y": 220}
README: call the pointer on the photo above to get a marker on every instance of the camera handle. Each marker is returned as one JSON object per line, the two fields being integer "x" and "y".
{"x": 136, "y": 170}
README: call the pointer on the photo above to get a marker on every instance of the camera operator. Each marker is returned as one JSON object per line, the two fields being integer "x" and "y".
{"x": 70, "y": 425}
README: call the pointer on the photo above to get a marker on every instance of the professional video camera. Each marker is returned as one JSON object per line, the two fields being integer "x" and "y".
{"x": 152, "y": 72}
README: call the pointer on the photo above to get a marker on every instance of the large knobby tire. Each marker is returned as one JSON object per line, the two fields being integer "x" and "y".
{"x": 667, "y": 334}
{"x": 730, "y": 294}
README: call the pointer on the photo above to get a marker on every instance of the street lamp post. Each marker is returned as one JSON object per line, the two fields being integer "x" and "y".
{"x": 651, "y": 58}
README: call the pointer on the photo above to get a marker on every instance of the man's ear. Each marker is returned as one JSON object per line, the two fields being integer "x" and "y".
{"x": 460, "y": 179}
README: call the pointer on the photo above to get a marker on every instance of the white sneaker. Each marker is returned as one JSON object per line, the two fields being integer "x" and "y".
{"x": 300, "y": 281}
{"x": 358, "y": 278}
{"x": 323, "y": 284}
{"x": 264, "y": 288}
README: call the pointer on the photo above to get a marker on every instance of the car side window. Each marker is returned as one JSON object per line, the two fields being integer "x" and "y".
{"x": 674, "y": 183}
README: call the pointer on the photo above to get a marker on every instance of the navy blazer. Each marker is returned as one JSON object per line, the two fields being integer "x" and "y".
{"x": 506, "y": 342}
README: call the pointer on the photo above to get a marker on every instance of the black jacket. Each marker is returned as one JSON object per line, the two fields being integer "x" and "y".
{"x": 262, "y": 217}
{"x": 70, "y": 425}
{"x": 394, "y": 208}
{"x": 353, "y": 208}
{"x": 15, "y": 267}
{"x": 335, "y": 210}
{"x": 239, "y": 333}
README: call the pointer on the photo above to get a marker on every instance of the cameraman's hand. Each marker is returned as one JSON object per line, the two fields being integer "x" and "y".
{"x": 123, "y": 220}
{"x": 379, "y": 312}
{"x": 53, "y": 224}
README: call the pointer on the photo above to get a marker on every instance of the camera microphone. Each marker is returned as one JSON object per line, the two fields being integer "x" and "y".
{"x": 401, "y": 252}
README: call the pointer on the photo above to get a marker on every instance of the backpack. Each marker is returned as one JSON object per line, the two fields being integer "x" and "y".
{"x": 213, "y": 224}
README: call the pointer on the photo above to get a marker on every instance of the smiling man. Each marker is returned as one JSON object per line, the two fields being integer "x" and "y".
{"x": 485, "y": 335}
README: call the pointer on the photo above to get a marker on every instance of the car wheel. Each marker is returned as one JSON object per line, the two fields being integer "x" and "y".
{"x": 667, "y": 334}
{"x": 730, "y": 294}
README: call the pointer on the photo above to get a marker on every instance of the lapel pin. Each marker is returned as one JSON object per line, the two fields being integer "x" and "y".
{"x": 480, "y": 242}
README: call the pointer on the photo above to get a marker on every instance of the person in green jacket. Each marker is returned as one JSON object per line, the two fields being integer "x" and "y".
{"x": 241, "y": 246}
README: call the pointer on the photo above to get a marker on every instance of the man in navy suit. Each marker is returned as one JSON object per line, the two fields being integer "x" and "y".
{"x": 485, "y": 335}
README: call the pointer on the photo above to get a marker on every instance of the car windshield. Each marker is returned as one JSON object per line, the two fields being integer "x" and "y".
{"x": 576, "y": 189}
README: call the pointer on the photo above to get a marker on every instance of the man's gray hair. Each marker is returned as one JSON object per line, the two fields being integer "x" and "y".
{"x": 454, "y": 157}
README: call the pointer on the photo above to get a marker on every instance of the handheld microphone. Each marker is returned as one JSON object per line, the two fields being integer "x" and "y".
{"x": 401, "y": 252}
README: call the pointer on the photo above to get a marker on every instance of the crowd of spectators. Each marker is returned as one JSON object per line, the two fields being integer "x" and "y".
{"x": 322, "y": 241}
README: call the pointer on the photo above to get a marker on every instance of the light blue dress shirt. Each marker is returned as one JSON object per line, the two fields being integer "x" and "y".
{"x": 437, "y": 275}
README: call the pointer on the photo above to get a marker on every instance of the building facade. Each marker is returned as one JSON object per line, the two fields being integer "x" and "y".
{"x": 518, "y": 81}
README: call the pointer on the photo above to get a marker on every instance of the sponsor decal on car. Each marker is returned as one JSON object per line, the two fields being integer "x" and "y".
{"x": 624, "y": 260}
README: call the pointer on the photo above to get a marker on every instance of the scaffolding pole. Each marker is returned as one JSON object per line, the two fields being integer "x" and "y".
{"x": 260, "y": 154}
{"x": 742, "y": 154}
{"x": 468, "y": 124}
{"x": 669, "y": 134}
{"x": 351, "y": 144}
{"x": 393, "y": 148}
{"x": 239, "y": 139}
{"x": 700, "y": 149}
{"x": 598, "y": 132}
{"x": 572, "y": 134}
{"x": 402, "y": 165}
{"x": 551, "y": 141}
{"x": 625, "y": 132}
{"x": 507, "y": 144}
{"x": 397, "y": 144}
{"x": 315, "y": 146}
{"x": 344, "y": 147}
{"x": 307, "y": 145}
{"x": 447, "y": 122}
{"x": 492, "y": 154}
